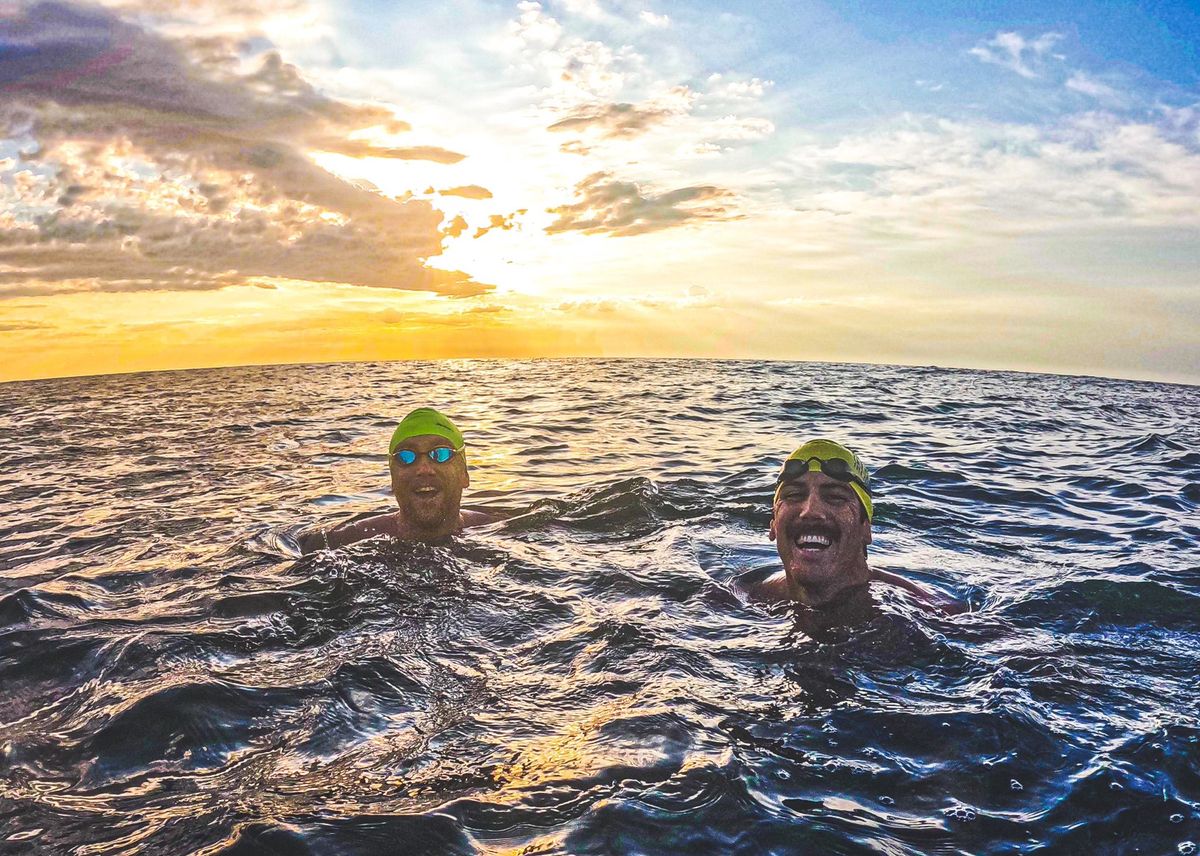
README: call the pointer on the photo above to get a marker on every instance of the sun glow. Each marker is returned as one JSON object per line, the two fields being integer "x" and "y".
{"x": 576, "y": 179}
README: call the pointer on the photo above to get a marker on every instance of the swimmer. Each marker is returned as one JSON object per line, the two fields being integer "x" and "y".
{"x": 821, "y": 526}
{"x": 428, "y": 465}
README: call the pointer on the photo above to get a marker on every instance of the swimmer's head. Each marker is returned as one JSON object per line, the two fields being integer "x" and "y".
{"x": 835, "y": 461}
{"x": 821, "y": 522}
{"x": 423, "y": 421}
{"x": 428, "y": 469}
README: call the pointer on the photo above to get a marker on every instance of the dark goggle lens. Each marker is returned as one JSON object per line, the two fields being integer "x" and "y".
{"x": 835, "y": 468}
{"x": 439, "y": 455}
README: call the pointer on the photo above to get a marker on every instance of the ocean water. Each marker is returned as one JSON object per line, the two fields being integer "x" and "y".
{"x": 581, "y": 679}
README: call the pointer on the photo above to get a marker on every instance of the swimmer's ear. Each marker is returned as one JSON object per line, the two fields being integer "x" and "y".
{"x": 771, "y": 531}
{"x": 464, "y": 477}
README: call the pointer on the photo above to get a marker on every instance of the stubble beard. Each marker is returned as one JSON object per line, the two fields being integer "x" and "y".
{"x": 431, "y": 518}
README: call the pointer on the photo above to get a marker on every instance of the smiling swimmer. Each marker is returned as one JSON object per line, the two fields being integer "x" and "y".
{"x": 821, "y": 525}
{"x": 428, "y": 466}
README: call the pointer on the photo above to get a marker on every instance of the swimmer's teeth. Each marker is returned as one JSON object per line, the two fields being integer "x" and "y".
{"x": 806, "y": 541}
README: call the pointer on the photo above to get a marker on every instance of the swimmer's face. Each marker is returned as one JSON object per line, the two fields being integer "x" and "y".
{"x": 427, "y": 492}
{"x": 821, "y": 533}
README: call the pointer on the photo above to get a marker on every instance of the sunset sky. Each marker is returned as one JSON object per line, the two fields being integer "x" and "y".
{"x": 1010, "y": 185}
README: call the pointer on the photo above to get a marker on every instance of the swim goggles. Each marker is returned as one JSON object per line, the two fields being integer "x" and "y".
{"x": 835, "y": 468}
{"x": 439, "y": 455}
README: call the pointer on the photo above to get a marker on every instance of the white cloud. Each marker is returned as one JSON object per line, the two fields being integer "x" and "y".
{"x": 736, "y": 128}
{"x": 943, "y": 179}
{"x": 584, "y": 8}
{"x": 1086, "y": 85}
{"x": 1016, "y": 53}
{"x": 750, "y": 89}
{"x": 533, "y": 27}
{"x": 652, "y": 20}
{"x": 1183, "y": 122}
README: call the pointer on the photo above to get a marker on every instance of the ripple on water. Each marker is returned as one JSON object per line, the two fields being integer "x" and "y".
{"x": 581, "y": 678}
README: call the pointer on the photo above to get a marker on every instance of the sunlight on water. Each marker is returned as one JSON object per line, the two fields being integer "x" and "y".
{"x": 581, "y": 678}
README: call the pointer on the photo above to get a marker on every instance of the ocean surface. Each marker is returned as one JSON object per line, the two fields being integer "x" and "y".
{"x": 176, "y": 679}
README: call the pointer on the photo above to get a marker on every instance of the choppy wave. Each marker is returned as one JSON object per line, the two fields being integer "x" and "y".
{"x": 581, "y": 678}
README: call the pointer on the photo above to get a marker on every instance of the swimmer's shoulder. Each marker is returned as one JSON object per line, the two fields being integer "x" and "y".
{"x": 759, "y": 586}
{"x": 475, "y": 517}
{"x": 927, "y": 596}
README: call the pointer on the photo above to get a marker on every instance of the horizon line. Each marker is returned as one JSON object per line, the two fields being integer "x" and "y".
{"x": 623, "y": 358}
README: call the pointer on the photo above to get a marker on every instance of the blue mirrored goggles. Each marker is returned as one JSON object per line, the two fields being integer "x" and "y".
{"x": 439, "y": 455}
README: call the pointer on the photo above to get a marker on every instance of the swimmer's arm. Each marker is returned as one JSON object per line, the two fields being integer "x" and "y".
{"x": 332, "y": 537}
{"x": 928, "y": 597}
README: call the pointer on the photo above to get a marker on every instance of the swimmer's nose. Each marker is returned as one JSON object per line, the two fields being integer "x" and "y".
{"x": 811, "y": 507}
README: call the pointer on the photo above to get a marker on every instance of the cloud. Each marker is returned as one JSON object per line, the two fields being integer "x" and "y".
{"x": 1016, "y": 53}
{"x": 162, "y": 164}
{"x": 462, "y": 318}
{"x": 456, "y": 227}
{"x": 575, "y": 70}
{"x": 1086, "y": 85}
{"x": 574, "y": 147}
{"x": 503, "y": 222}
{"x": 22, "y": 326}
{"x": 737, "y": 129}
{"x": 584, "y": 8}
{"x": 467, "y": 191}
{"x": 656, "y": 21}
{"x": 615, "y": 120}
{"x": 751, "y": 89}
{"x": 619, "y": 208}
{"x": 365, "y": 149}
{"x": 938, "y": 179}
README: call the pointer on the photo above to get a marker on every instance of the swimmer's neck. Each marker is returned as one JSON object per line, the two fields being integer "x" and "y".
{"x": 829, "y": 596}
{"x": 406, "y": 530}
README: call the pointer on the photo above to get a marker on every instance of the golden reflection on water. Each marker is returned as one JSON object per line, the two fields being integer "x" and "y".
{"x": 574, "y": 752}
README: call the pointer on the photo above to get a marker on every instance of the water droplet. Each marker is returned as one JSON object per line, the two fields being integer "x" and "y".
{"x": 1187, "y": 847}
{"x": 1115, "y": 786}
{"x": 960, "y": 812}
{"x": 1177, "y": 818}
{"x": 1016, "y": 786}
{"x": 783, "y": 774}
{"x": 886, "y": 801}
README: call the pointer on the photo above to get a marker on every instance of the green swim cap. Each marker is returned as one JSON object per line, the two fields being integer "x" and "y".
{"x": 425, "y": 420}
{"x": 837, "y": 462}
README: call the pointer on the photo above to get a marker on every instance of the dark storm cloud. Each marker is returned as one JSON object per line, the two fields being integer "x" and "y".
{"x": 154, "y": 164}
{"x": 619, "y": 208}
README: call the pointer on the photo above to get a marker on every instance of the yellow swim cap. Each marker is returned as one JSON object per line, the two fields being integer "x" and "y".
{"x": 835, "y": 461}
{"x": 425, "y": 420}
